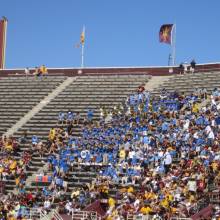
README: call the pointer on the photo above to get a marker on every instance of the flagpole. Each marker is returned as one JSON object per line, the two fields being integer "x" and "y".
{"x": 82, "y": 55}
{"x": 174, "y": 44}
{"x": 5, "y": 38}
{"x": 82, "y": 46}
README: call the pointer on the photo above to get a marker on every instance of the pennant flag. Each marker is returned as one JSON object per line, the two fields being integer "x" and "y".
{"x": 165, "y": 34}
{"x": 82, "y": 36}
{"x": 3, "y": 30}
{"x": 82, "y": 39}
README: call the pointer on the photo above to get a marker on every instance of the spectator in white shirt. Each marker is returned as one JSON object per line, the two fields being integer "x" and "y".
{"x": 192, "y": 187}
{"x": 131, "y": 154}
{"x": 167, "y": 161}
{"x": 68, "y": 207}
{"x": 47, "y": 204}
{"x": 208, "y": 129}
{"x": 27, "y": 71}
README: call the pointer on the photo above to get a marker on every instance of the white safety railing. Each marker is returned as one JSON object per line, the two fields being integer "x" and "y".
{"x": 142, "y": 217}
{"x": 177, "y": 218}
{"x": 152, "y": 217}
{"x": 53, "y": 214}
{"x": 56, "y": 215}
{"x": 44, "y": 215}
{"x": 85, "y": 215}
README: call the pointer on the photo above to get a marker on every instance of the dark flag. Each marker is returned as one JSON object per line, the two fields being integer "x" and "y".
{"x": 165, "y": 34}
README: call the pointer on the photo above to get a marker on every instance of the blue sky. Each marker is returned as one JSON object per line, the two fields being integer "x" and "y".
{"x": 118, "y": 32}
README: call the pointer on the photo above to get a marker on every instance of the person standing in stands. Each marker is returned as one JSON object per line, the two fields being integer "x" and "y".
{"x": 43, "y": 70}
{"x": 38, "y": 72}
{"x": 185, "y": 67}
{"x": 35, "y": 73}
{"x": 167, "y": 161}
{"x": 181, "y": 68}
{"x": 27, "y": 71}
{"x": 192, "y": 66}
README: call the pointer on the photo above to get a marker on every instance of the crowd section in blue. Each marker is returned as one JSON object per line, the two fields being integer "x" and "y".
{"x": 162, "y": 150}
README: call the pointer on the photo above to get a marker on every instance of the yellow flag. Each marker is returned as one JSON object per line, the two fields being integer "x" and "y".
{"x": 82, "y": 37}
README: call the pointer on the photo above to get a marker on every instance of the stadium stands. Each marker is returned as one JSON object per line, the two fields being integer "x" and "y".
{"x": 72, "y": 97}
{"x": 83, "y": 93}
{"x": 142, "y": 175}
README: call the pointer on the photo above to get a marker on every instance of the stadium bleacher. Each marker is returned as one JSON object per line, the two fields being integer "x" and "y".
{"x": 92, "y": 92}
{"x": 21, "y": 94}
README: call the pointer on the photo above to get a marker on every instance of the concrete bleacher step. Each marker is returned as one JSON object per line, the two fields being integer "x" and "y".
{"x": 19, "y": 95}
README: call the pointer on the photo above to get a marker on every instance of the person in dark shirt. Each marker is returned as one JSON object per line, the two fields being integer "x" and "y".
{"x": 23, "y": 138}
{"x": 181, "y": 68}
{"x": 193, "y": 63}
{"x": 192, "y": 66}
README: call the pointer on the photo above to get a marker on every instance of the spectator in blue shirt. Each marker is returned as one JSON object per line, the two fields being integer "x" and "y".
{"x": 70, "y": 116}
{"x": 61, "y": 117}
{"x": 90, "y": 115}
{"x": 34, "y": 140}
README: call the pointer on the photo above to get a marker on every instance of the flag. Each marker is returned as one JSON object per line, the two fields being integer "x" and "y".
{"x": 165, "y": 34}
{"x": 82, "y": 36}
{"x": 3, "y": 30}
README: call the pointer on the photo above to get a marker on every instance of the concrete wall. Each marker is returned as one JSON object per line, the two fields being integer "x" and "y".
{"x": 157, "y": 71}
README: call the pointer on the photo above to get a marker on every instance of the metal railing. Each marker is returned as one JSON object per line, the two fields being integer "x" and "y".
{"x": 151, "y": 217}
{"x": 44, "y": 216}
{"x": 141, "y": 217}
{"x": 85, "y": 215}
{"x": 56, "y": 215}
{"x": 177, "y": 218}
{"x": 214, "y": 197}
{"x": 53, "y": 214}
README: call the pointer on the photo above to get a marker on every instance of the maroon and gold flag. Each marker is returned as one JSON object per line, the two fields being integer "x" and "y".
{"x": 3, "y": 29}
{"x": 165, "y": 34}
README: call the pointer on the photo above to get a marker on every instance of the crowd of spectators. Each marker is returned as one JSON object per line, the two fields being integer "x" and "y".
{"x": 154, "y": 156}
{"x": 164, "y": 151}
{"x": 13, "y": 165}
